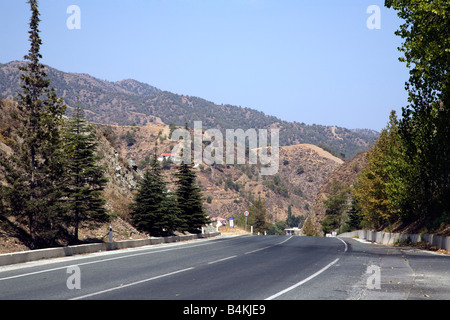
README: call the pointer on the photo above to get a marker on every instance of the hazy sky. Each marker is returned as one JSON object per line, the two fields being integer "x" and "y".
{"x": 308, "y": 61}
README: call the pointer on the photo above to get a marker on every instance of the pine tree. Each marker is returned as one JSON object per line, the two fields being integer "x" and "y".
{"x": 258, "y": 212}
{"x": 190, "y": 200}
{"x": 354, "y": 216}
{"x": 335, "y": 206}
{"x": 170, "y": 213}
{"x": 154, "y": 209}
{"x": 34, "y": 172}
{"x": 84, "y": 179}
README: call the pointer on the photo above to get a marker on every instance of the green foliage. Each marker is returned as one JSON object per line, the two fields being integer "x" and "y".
{"x": 52, "y": 181}
{"x": 258, "y": 211}
{"x": 380, "y": 184}
{"x": 335, "y": 207}
{"x": 292, "y": 221}
{"x": 424, "y": 128}
{"x": 130, "y": 138}
{"x": 277, "y": 228}
{"x": 155, "y": 209}
{"x": 408, "y": 174}
{"x": 277, "y": 186}
{"x": 34, "y": 172}
{"x": 172, "y": 128}
{"x": 84, "y": 180}
{"x": 189, "y": 199}
{"x": 354, "y": 217}
{"x": 166, "y": 163}
{"x": 144, "y": 162}
{"x": 229, "y": 184}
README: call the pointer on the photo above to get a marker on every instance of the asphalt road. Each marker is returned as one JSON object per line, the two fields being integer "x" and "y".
{"x": 236, "y": 268}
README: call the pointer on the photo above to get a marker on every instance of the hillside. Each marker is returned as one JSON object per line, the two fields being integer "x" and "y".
{"x": 228, "y": 190}
{"x": 129, "y": 102}
{"x": 346, "y": 175}
{"x": 118, "y": 192}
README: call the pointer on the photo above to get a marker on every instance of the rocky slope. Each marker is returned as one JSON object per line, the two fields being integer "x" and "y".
{"x": 346, "y": 175}
{"x": 228, "y": 189}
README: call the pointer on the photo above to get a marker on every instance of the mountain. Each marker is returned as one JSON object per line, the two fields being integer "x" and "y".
{"x": 228, "y": 190}
{"x": 346, "y": 175}
{"x": 129, "y": 102}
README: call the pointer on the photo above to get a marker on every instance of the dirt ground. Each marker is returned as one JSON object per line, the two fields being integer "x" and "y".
{"x": 121, "y": 231}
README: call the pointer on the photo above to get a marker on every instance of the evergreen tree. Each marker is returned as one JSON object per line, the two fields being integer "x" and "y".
{"x": 171, "y": 212}
{"x": 354, "y": 216}
{"x": 190, "y": 200}
{"x": 34, "y": 172}
{"x": 84, "y": 179}
{"x": 258, "y": 212}
{"x": 292, "y": 221}
{"x": 154, "y": 209}
{"x": 335, "y": 206}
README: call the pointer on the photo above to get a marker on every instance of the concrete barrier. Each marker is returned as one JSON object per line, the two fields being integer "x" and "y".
{"x": 392, "y": 238}
{"x": 33, "y": 255}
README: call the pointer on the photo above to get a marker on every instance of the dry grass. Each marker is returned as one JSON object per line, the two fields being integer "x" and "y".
{"x": 232, "y": 231}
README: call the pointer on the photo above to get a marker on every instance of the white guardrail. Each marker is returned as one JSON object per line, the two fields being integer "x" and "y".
{"x": 393, "y": 238}
{"x": 33, "y": 255}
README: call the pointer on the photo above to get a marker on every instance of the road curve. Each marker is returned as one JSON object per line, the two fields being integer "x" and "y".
{"x": 236, "y": 268}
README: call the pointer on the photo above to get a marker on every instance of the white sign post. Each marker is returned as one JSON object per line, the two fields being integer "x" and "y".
{"x": 110, "y": 234}
{"x": 246, "y": 214}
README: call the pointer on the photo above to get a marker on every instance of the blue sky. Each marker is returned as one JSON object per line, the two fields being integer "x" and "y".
{"x": 308, "y": 61}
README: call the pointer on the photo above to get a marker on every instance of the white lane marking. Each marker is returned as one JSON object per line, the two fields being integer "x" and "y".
{"x": 310, "y": 277}
{"x": 131, "y": 284}
{"x": 268, "y": 246}
{"x": 220, "y": 260}
{"x": 346, "y": 247}
{"x": 302, "y": 282}
{"x": 181, "y": 246}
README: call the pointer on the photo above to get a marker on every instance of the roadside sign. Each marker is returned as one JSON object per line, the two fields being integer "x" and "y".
{"x": 246, "y": 213}
{"x": 231, "y": 222}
